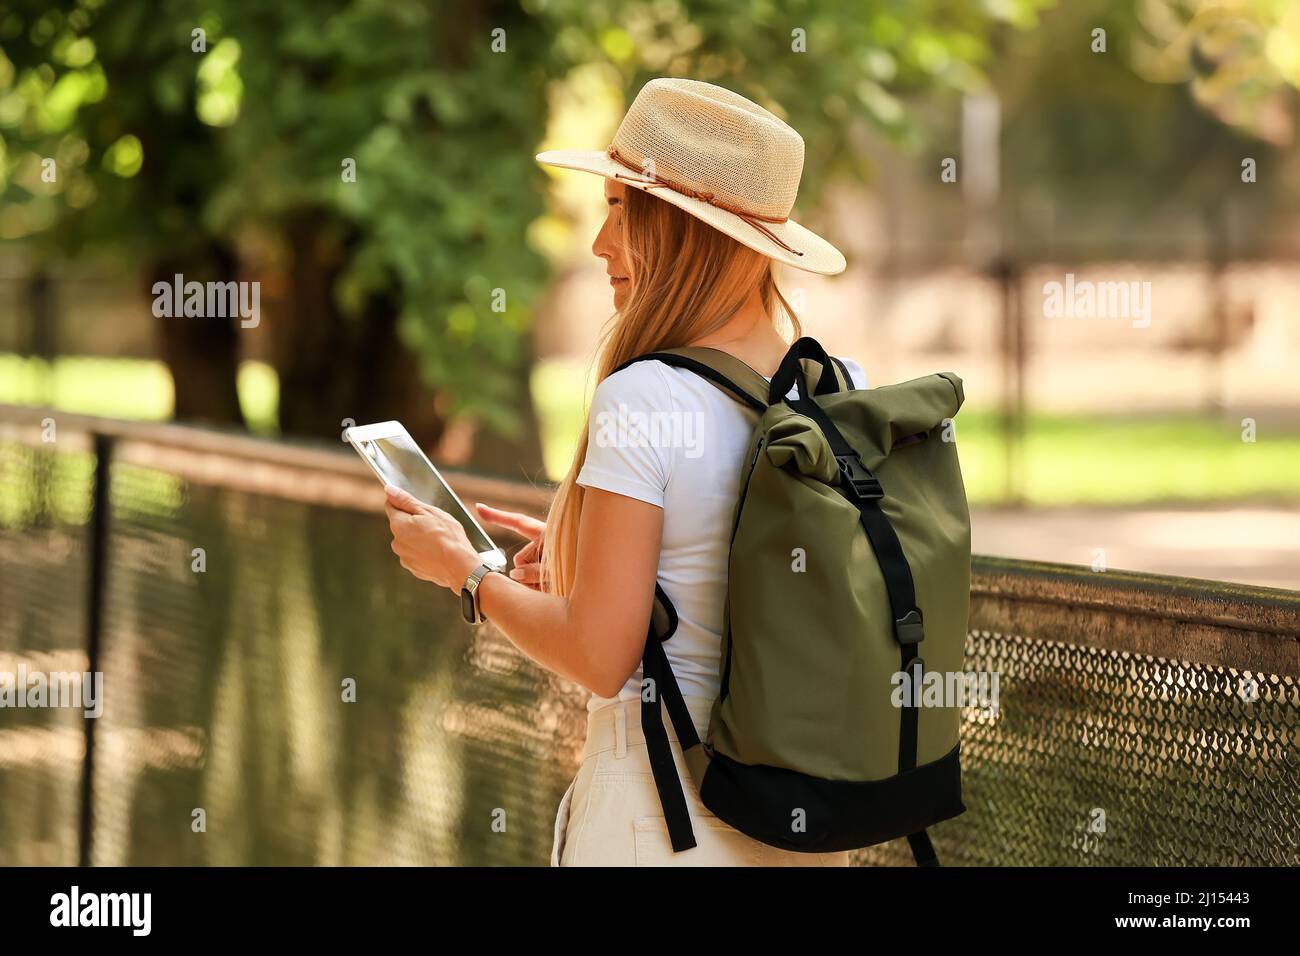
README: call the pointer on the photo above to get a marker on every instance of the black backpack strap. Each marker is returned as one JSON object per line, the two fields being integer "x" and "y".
{"x": 922, "y": 849}
{"x": 725, "y": 371}
{"x": 846, "y": 379}
{"x": 733, "y": 376}
{"x": 656, "y": 669}
{"x": 861, "y": 487}
{"x": 806, "y": 356}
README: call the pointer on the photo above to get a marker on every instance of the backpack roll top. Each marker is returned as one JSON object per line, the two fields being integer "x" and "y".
{"x": 848, "y": 585}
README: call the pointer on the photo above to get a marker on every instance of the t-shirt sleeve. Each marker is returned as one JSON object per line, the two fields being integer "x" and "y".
{"x": 629, "y": 447}
{"x": 856, "y": 373}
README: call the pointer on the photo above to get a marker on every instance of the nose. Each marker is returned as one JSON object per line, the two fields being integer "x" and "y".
{"x": 600, "y": 246}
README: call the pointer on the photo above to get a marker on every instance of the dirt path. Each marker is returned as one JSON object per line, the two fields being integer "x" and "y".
{"x": 1251, "y": 544}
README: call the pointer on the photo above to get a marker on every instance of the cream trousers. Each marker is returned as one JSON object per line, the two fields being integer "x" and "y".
{"x": 610, "y": 815}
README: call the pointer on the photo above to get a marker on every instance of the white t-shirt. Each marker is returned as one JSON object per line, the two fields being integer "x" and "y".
{"x": 669, "y": 437}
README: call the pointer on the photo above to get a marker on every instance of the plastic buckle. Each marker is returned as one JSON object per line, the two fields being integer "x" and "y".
{"x": 909, "y": 628}
{"x": 856, "y": 476}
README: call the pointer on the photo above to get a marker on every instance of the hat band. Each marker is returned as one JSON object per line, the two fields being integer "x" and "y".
{"x": 650, "y": 182}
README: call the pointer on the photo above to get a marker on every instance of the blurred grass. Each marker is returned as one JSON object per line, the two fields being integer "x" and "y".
{"x": 1108, "y": 460}
{"x": 138, "y": 389}
{"x": 1067, "y": 459}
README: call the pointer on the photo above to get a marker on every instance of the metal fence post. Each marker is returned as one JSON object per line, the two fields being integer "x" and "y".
{"x": 95, "y": 577}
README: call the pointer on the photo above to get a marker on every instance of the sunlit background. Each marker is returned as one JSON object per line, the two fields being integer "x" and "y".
{"x": 964, "y": 154}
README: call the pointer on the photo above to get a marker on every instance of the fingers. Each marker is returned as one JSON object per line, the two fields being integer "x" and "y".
{"x": 395, "y": 515}
{"x": 530, "y": 553}
{"x": 530, "y": 574}
{"x": 404, "y": 501}
{"x": 524, "y": 525}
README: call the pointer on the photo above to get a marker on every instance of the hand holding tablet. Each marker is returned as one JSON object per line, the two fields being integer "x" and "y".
{"x": 434, "y": 536}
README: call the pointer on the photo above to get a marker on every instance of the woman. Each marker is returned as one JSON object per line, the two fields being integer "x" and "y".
{"x": 699, "y": 184}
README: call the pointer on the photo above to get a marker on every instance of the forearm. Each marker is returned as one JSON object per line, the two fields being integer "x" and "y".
{"x": 545, "y": 628}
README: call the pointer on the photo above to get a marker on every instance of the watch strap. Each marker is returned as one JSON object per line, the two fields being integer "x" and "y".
{"x": 471, "y": 587}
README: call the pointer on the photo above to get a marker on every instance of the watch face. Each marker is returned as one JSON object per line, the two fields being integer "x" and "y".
{"x": 467, "y": 605}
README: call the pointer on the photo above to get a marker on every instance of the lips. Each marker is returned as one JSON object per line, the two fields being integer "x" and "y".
{"x": 617, "y": 281}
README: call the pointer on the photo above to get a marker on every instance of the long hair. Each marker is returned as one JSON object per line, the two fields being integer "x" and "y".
{"x": 688, "y": 280}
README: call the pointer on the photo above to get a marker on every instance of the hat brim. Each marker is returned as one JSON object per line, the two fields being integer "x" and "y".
{"x": 818, "y": 255}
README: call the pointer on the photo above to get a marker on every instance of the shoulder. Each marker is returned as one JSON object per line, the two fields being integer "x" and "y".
{"x": 856, "y": 373}
{"x": 640, "y": 385}
{"x": 629, "y": 447}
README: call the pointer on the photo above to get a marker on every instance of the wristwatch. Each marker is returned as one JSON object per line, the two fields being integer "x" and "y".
{"x": 469, "y": 604}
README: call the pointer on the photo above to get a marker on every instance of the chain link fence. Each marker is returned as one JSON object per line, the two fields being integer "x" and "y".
{"x": 277, "y": 690}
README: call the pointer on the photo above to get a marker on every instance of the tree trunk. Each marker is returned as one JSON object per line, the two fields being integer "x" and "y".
{"x": 334, "y": 369}
{"x": 201, "y": 353}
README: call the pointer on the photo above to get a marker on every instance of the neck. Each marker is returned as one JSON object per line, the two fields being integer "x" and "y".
{"x": 750, "y": 336}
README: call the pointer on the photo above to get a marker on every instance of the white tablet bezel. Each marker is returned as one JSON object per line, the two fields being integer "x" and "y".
{"x": 494, "y": 558}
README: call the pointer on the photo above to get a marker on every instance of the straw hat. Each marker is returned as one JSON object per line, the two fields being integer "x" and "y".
{"x": 717, "y": 156}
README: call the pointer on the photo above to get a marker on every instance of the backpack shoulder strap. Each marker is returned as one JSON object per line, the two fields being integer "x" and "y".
{"x": 922, "y": 849}
{"x": 729, "y": 373}
{"x": 725, "y": 371}
{"x": 846, "y": 380}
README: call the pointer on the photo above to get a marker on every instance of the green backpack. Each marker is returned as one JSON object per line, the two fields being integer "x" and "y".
{"x": 849, "y": 567}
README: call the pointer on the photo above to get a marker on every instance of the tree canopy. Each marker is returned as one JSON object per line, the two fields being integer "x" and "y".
{"x": 380, "y": 153}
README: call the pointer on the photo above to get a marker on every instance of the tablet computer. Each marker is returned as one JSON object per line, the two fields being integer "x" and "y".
{"x": 397, "y": 460}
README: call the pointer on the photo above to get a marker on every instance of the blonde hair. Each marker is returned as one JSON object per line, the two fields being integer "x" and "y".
{"x": 688, "y": 280}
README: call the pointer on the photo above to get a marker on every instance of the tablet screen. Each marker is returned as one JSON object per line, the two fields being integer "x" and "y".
{"x": 399, "y": 460}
